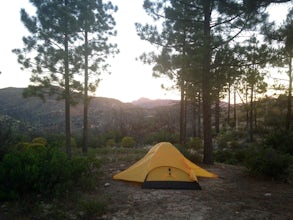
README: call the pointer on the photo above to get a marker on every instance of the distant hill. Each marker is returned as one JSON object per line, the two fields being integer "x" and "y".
{"x": 105, "y": 114}
{"x": 149, "y": 103}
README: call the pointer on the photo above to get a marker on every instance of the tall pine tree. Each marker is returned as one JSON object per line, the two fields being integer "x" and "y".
{"x": 208, "y": 26}
{"x": 96, "y": 25}
{"x": 48, "y": 50}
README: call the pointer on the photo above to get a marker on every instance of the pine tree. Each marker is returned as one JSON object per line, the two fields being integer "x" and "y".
{"x": 203, "y": 33}
{"x": 48, "y": 50}
{"x": 283, "y": 37}
{"x": 96, "y": 25}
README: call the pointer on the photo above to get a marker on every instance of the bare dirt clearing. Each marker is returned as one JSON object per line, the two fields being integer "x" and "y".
{"x": 235, "y": 195}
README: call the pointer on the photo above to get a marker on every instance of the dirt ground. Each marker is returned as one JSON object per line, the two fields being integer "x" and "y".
{"x": 235, "y": 195}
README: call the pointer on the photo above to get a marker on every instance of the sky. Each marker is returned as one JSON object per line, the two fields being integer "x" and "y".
{"x": 129, "y": 79}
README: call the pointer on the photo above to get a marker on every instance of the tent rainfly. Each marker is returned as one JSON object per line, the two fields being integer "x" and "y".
{"x": 164, "y": 167}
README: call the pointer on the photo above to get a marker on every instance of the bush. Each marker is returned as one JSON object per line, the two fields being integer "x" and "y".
{"x": 161, "y": 136}
{"x": 191, "y": 155}
{"x": 40, "y": 170}
{"x": 127, "y": 142}
{"x": 281, "y": 141}
{"x": 40, "y": 140}
{"x": 267, "y": 161}
{"x": 229, "y": 139}
{"x": 230, "y": 156}
{"x": 110, "y": 143}
{"x": 91, "y": 208}
{"x": 289, "y": 173}
{"x": 195, "y": 143}
{"x": 223, "y": 156}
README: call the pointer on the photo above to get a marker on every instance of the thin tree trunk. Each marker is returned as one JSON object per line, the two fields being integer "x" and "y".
{"x": 194, "y": 116}
{"x": 199, "y": 126}
{"x": 251, "y": 115}
{"x": 85, "y": 98}
{"x": 182, "y": 114}
{"x": 229, "y": 104}
{"x": 247, "y": 108}
{"x": 206, "y": 87}
{"x": 235, "y": 110}
{"x": 289, "y": 102}
{"x": 255, "y": 112}
{"x": 217, "y": 113}
{"x": 67, "y": 92}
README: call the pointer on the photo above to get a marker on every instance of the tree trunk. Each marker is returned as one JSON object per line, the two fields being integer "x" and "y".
{"x": 199, "y": 115}
{"x": 85, "y": 98}
{"x": 251, "y": 114}
{"x": 182, "y": 114}
{"x": 289, "y": 101}
{"x": 67, "y": 92}
{"x": 194, "y": 116}
{"x": 217, "y": 112}
{"x": 229, "y": 105}
{"x": 255, "y": 112}
{"x": 235, "y": 111}
{"x": 247, "y": 108}
{"x": 206, "y": 87}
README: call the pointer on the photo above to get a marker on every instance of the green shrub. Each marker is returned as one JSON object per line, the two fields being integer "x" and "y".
{"x": 127, "y": 142}
{"x": 61, "y": 143}
{"x": 289, "y": 173}
{"x": 222, "y": 155}
{"x": 191, "y": 155}
{"x": 91, "y": 208}
{"x": 230, "y": 156}
{"x": 229, "y": 139}
{"x": 40, "y": 140}
{"x": 41, "y": 170}
{"x": 161, "y": 136}
{"x": 110, "y": 143}
{"x": 281, "y": 141}
{"x": 267, "y": 161}
{"x": 195, "y": 143}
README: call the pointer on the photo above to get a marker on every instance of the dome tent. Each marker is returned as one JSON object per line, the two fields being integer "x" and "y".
{"x": 164, "y": 167}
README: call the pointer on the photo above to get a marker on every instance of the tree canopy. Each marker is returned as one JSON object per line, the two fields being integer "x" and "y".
{"x": 63, "y": 35}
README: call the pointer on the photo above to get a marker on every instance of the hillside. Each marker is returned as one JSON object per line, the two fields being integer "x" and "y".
{"x": 104, "y": 113}
{"x": 148, "y": 103}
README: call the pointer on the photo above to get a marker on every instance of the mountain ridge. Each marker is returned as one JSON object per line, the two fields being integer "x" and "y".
{"x": 152, "y": 103}
{"x": 103, "y": 114}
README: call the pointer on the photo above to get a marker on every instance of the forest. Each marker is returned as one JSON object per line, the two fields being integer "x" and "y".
{"x": 230, "y": 62}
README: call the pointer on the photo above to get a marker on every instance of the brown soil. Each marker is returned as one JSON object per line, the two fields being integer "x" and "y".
{"x": 235, "y": 195}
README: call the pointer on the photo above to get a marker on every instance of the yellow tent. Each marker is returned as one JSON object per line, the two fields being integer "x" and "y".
{"x": 164, "y": 167}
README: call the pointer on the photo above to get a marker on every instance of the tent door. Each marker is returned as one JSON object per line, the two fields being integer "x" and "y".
{"x": 169, "y": 178}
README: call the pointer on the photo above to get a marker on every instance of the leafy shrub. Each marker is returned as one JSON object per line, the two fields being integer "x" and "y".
{"x": 289, "y": 173}
{"x": 110, "y": 143}
{"x": 40, "y": 170}
{"x": 90, "y": 208}
{"x": 191, "y": 155}
{"x": 223, "y": 156}
{"x": 127, "y": 142}
{"x": 229, "y": 139}
{"x": 267, "y": 161}
{"x": 40, "y": 140}
{"x": 161, "y": 136}
{"x": 281, "y": 141}
{"x": 230, "y": 156}
{"x": 195, "y": 143}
